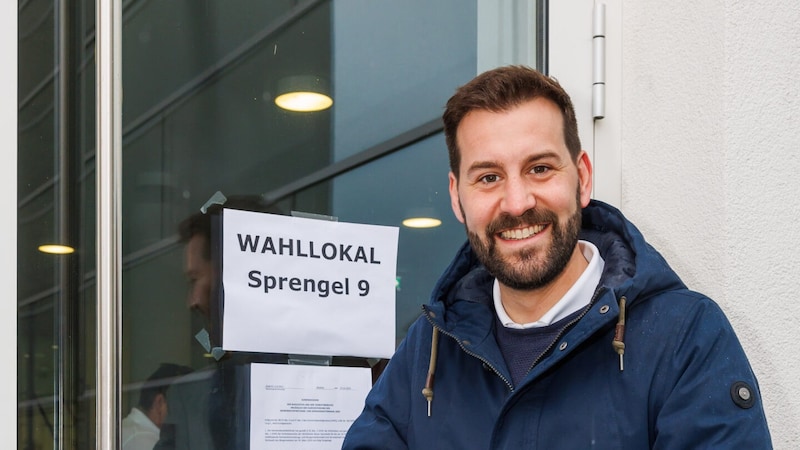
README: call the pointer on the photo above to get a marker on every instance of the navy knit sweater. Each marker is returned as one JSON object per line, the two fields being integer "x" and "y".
{"x": 521, "y": 347}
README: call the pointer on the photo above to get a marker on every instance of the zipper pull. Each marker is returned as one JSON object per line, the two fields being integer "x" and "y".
{"x": 619, "y": 334}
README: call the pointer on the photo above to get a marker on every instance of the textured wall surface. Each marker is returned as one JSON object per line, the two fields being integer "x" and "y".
{"x": 711, "y": 171}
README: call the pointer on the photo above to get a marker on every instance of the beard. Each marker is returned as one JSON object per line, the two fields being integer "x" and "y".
{"x": 533, "y": 268}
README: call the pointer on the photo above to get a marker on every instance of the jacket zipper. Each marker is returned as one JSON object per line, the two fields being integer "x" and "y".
{"x": 474, "y": 355}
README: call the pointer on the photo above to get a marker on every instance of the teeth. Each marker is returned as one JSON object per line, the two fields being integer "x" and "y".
{"x": 522, "y": 233}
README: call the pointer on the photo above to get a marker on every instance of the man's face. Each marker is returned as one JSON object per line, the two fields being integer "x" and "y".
{"x": 158, "y": 412}
{"x": 199, "y": 272}
{"x": 519, "y": 193}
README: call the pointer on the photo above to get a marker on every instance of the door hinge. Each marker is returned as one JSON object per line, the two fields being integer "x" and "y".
{"x": 599, "y": 60}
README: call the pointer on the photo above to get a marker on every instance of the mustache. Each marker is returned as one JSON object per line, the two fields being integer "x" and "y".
{"x": 530, "y": 217}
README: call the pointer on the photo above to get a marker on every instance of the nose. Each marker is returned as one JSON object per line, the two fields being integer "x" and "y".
{"x": 197, "y": 300}
{"x": 192, "y": 300}
{"x": 518, "y": 197}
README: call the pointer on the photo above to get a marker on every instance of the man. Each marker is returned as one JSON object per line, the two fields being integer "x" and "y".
{"x": 140, "y": 428}
{"x": 209, "y": 408}
{"x": 195, "y": 233}
{"x": 556, "y": 326}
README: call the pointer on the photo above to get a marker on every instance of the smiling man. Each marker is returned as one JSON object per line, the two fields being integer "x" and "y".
{"x": 556, "y": 325}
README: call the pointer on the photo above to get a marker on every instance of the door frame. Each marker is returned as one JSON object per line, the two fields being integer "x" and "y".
{"x": 8, "y": 227}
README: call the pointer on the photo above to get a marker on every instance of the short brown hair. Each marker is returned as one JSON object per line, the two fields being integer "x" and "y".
{"x": 502, "y": 89}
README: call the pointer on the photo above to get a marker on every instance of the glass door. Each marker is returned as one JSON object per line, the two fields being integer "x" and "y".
{"x": 203, "y": 112}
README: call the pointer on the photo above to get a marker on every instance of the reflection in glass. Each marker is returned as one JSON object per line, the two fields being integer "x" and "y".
{"x": 199, "y": 116}
{"x": 385, "y": 192}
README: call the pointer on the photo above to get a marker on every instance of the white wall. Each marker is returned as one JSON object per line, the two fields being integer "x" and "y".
{"x": 8, "y": 227}
{"x": 710, "y": 126}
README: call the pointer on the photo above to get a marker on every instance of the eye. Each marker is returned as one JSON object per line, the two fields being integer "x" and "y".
{"x": 539, "y": 170}
{"x": 488, "y": 179}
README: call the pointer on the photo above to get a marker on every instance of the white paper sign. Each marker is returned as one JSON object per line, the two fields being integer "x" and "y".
{"x": 307, "y": 286}
{"x": 304, "y": 407}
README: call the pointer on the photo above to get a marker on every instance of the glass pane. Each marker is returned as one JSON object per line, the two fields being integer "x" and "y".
{"x": 396, "y": 64}
{"x": 200, "y": 116}
{"x": 200, "y": 82}
{"x": 56, "y": 363}
{"x": 409, "y": 183}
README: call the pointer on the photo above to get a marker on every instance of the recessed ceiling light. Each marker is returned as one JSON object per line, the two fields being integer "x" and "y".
{"x": 303, "y": 101}
{"x": 56, "y": 249}
{"x": 303, "y": 93}
{"x": 422, "y": 222}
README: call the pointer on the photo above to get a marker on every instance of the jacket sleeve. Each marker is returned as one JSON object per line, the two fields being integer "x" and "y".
{"x": 383, "y": 424}
{"x": 706, "y": 394}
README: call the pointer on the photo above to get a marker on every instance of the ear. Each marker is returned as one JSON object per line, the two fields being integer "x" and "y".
{"x": 584, "y": 165}
{"x": 454, "y": 202}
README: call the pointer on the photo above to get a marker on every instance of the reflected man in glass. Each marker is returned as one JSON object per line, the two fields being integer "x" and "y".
{"x": 140, "y": 428}
{"x": 208, "y": 409}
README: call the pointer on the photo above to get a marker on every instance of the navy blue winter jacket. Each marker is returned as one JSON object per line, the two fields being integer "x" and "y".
{"x": 685, "y": 383}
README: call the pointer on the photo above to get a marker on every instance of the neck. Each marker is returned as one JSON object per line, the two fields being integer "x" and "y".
{"x": 526, "y": 306}
{"x": 154, "y": 417}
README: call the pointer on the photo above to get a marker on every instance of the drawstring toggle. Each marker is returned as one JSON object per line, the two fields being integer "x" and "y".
{"x": 427, "y": 392}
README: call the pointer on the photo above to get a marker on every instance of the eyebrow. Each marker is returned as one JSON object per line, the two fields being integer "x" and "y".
{"x": 482, "y": 165}
{"x": 549, "y": 154}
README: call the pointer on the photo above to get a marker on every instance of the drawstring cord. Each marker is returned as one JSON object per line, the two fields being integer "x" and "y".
{"x": 427, "y": 392}
{"x": 619, "y": 333}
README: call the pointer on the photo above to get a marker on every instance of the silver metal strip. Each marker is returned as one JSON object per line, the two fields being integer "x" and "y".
{"x": 543, "y": 36}
{"x": 599, "y": 60}
{"x": 62, "y": 416}
{"x": 108, "y": 172}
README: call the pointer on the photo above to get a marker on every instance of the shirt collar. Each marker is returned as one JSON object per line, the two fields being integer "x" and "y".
{"x": 140, "y": 419}
{"x": 577, "y": 297}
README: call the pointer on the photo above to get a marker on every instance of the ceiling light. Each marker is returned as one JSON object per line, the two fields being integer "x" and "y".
{"x": 56, "y": 249}
{"x": 303, "y": 93}
{"x": 424, "y": 217}
{"x": 422, "y": 222}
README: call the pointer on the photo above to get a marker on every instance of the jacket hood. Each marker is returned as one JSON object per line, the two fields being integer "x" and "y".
{"x": 633, "y": 271}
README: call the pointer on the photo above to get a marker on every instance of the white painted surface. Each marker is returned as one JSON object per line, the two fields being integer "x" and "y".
{"x": 570, "y": 62}
{"x": 709, "y": 168}
{"x": 707, "y": 157}
{"x": 8, "y": 227}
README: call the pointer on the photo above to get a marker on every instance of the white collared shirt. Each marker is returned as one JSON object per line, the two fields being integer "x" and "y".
{"x": 577, "y": 297}
{"x": 138, "y": 431}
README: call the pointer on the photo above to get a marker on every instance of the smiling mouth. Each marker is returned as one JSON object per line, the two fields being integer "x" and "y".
{"x": 522, "y": 233}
